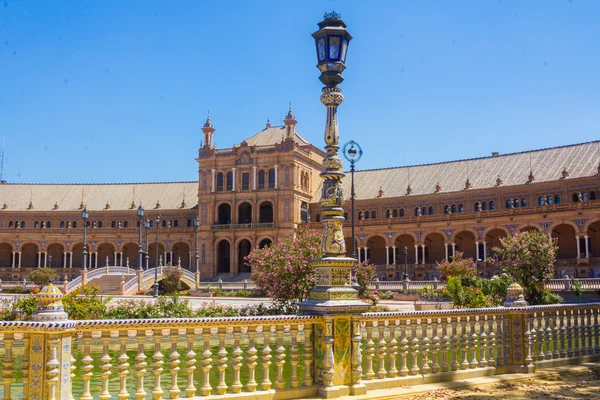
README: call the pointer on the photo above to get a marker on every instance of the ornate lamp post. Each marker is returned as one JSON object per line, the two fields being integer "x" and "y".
{"x": 147, "y": 226}
{"x": 333, "y": 293}
{"x": 157, "y": 220}
{"x": 405, "y": 277}
{"x": 352, "y": 154}
{"x": 140, "y": 218}
{"x": 85, "y": 216}
{"x": 196, "y": 225}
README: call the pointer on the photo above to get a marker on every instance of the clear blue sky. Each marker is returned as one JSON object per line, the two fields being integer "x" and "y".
{"x": 117, "y": 91}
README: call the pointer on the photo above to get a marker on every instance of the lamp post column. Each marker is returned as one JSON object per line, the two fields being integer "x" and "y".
{"x": 147, "y": 226}
{"x": 156, "y": 269}
{"x": 196, "y": 225}
{"x": 405, "y": 277}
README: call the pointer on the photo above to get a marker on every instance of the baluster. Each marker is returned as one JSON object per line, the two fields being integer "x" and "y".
{"x": 222, "y": 360}
{"x": 446, "y": 345}
{"x": 25, "y": 365}
{"x": 425, "y": 346}
{"x": 435, "y": 345}
{"x": 381, "y": 350}
{"x": 393, "y": 346}
{"x": 548, "y": 337}
{"x": 87, "y": 366}
{"x": 251, "y": 360}
{"x": 157, "y": 392}
{"x": 414, "y": 347}
{"x": 7, "y": 363}
{"x": 529, "y": 341}
{"x": 356, "y": 358}
{"x": 52, "y": 365}
{"x": 266, "y": 383}
{"x": 576, "y": 333}
{"x": 280, "y": 382}
{"x": 596, "y": 332}
{"x": 308, "y": 354}
{"x": 295, "y": 382}
{"x": 236, "y": 387}
{"x": 206, "y": 362}
{"x": 328, "y": 360}
{"x": 583, "y": 331}
{"x": 500, "y": 338}
{"x": 123, "y": 366}
{"x": 174, "y": 362}
{"x": 556, "y": 333}
{"x": 140, "y": 365}
{"x": 464, "y": 343}
{"x": 491, "y": 359}
{"x": 563, "y": 333}
{"x": 473, "y": 341}
{"x": 482, "y": 341}
{"x": 106, "y": 366}
{"x": 370, "y": 350}
{"x": 403, "y": 349}
{"x": 590, "y": 331}
{"x": 569, "y": 316}
{"x": 190, "y": 364}
{"x": 455, "y": 343}
{"x": 540, "y": 336}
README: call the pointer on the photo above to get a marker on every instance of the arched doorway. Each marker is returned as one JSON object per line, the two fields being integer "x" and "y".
{"x": 244, "y": 248}
{"x": 181, "y": 251}
{"x": 29, "y": 254}
{"x": 593, "y": 232}
{"x": 265, "y": 243}
{"x": 130, "y": 253}
{"x": 6, "y": 255}
{"x": 77, "y": 251}
{"x": 245, "y": 213}
{"x": 56, "y": 251}
{"x": 529, "y": 228}
{"x": 465, "y": 243}
{"x": 401, "y": 242}
{"x": 265, "y": 213}
{"x": 494, "y": 239}
{"x": 152, "y": 253}
{"x": 224, "y": 214}
{"x": 434, "y": 248}
{"x": 566, "y": 240}
{"x": 376, "y": 250}
{"x": 223, "y": 257}
{"x": 106, "y": 251}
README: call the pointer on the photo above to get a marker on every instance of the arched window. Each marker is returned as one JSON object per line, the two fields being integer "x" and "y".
{"x": 516, "y": 203}
{"x": 10, "y": 225}
{"x": 446, "y": 209}
{"x": 484, "y": 205}
{"x": 541, "y": 200}
{"x": 423, "y": 210}
{"x": 374, "y": 214}
{"x": 367, "y": 215}
{"x": 318, "y": 217}
{"x": 113, "y": 224}
{"x": 87, "y": 223}
{"x": 36, "y": 225}
{"x": 395, "y": 213}
{"x": 431, "y": 209}
{"x": 48, "y": 224}
{"x": 360, "y": 215}
{"x": 492, "y": 205}
{"x": 188, "y": 223}
{"x": 402, "y": 212}
{"x": 584, "y": 196}
{"x": 125, "y": 224}
{"x": 557, "y": 199}
{"x": 461, "y": 208}
{"x": 99, "y": 224}
{"x": 346, "y": 216}
{"x": 575, "y": 197}
{"x": 261, "y": 179}
{"x": 509, "y": 204}
{"x": 453, "y": 209}
{"x": 74, "y": 224}
{"x": 549, "y": 200}
{"x": 22, "y": 224}
{"x": 417, "y": 211}
{"x": 164, "y": 223}
{"x": 592, "y": 195}
{"x": 230, "y": 180}
{"x": 304, "y": 212}
{"x": 477, "y": 206}
{"x": 176, "y": 223}
{"x": 388, "y": 213}
{"x": 271, "y": 178}
{"x": 62, "y": 224}
{"x": 220, "y": 182}
{"x": 523, "y": 202}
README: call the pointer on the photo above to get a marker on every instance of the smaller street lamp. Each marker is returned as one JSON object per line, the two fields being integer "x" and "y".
{"x": 140, "y": 218}
{"x": 147, "y": 226}
{"x": 156, "y": 269}
{"x": 405, "y": 277}
{"x": 85, "y": 216}
{"x": 196, "y": 225}
{"x": 352, "y": 152}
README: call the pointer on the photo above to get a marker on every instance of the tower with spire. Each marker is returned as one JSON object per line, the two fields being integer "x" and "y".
{"x": 290, "y": 125}
{"x": 208, "y": 130}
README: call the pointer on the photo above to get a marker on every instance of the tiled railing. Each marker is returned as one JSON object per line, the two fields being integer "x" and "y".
{"x": 227, "y": 227}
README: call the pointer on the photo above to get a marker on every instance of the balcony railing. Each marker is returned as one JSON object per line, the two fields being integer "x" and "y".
{"x": 258, "y": 225}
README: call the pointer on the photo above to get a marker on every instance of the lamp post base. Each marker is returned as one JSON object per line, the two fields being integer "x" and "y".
{"x": 155, "y": 289}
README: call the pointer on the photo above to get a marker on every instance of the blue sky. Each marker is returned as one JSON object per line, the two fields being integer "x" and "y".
{"x": 117, "y": 91}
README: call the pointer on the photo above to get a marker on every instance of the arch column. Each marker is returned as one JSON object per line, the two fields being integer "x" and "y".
{"x": 358, "y": 253}
{"x": 453, "y": 249}
{"x": 587, "y": 246}
{"x": 446, "y": 250}
{"x": 476, "y": 251}
{"x": 13, "y": 259}
{"x": 212, "y": 187}
{"x": 253, "y": 180}
{"x": 578, "y": 241}
{"x": 416, "y": 254}
{"x": 20, "y": 255}
{"x": 64, "y": 259}
{"x": 423, "y": 254}
{"x": 394, "y": 254}
{"x": 387, "y": 255}
{"x": 233, "y": 177}
{"x": 276, "y": 176}
{"x": 484, "y": 250}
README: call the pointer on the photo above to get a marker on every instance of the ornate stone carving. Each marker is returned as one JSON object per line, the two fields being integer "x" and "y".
{"x": 333, "y": 238}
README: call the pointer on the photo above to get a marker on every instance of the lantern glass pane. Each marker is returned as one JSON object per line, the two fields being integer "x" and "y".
{"x": 344, "y": 50}
{"x": 334, "y": 47}
{"x": 321, "y": 49}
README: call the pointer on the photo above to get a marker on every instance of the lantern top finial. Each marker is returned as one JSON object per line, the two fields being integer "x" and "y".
{"x": 332, "y": 15}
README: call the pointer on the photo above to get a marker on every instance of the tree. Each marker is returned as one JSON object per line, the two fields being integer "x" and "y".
{"x": 283, "y": 270}
{"x": 41, "y": 276}
{"x": 171, "y": 282}
{"x": 458, "y": 266}
{"x": 529, "y": 259}
{"x": 365, "y": 273}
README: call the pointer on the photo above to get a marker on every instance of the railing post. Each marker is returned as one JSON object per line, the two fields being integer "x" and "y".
{"x": 122, "y": 285}
{"x": 517, "y": 331}
{"x": 65, "y": 283}
{"x": 49, "y": 350}
{"x": 84, "y": 277}
{"x": 567, "y": 283}
{"x": 197, "y": 280}
{"x": 140, "y": 278}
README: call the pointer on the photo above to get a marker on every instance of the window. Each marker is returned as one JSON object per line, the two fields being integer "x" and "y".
{"x": 509, "y": 204}
{"x": 10, "y": 225}
{"x": 230, "y": 181}
{"x": 523, "y": 202}
{"x": 99, "y": 224}
{"x": 592, "y": 195}
{"x": 492, "y": 205}
{"x": 360, "y": 215}
{"x": 87, "y": 223}
{"x": 164, "y": 223}
{"x": 246, "y": 181}
{"x": 113, "y": 224}
{"x": 575, "y": 197}
{"x": 345, "y": 216}
{"x": 271, "y": 179}
{"x": 484, "y": 206}
{"x": 584, "y": 196}
{"x": 62, "y": 224}
{"x": 424, "y": 211}
{"x": 74, "y": 224}
{"x": 446, "y": 209}
{"x": 125, "y": 224}
{"x": 318, "y": 217}
{"x": 22, "y": 224}
{"x": 516, "y": 203}
{"x": 304, "y": 212}
{"x": 388, "y": 213}
{"x": 367, "y": 215}
{"x": 176, "y": 223}
{"x": 48, "y": 224}
{"x": 461, "y": 208}
{"x": 394, "y": 213}
{"x": 417, "y": 211}
{"x": 261, "y": 179}
{"x": 549, "y": 200}
{"x": 220, "y": 182}
{"x": 374, "y": 214}
{"x": 36, "y": 225}
{"x": 541, "y": 201}
{"x": 477, "y": 206}
{"x": 453, "y": 208}
{"x": 431, "y": 209}
{"x": 557, "y": 199}
{"x": 402, "y": 212}
{"x": 189, "y": 223}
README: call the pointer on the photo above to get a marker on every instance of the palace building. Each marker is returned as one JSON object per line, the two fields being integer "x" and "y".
{"x": 258, "y": 191}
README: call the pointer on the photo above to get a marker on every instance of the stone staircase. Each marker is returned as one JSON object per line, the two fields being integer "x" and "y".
{"x": 109, "y": 284}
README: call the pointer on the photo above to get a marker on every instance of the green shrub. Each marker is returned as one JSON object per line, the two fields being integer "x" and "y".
{"x": 464, "y": 296}
{"x": 85, "y": 303}
{"x": 41, "y": 276}
{"x": 549, "y": 297}
{"x": 17, "y": 290}
{"x": 171, "y": 282}
{"x": 26, "y": 306}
